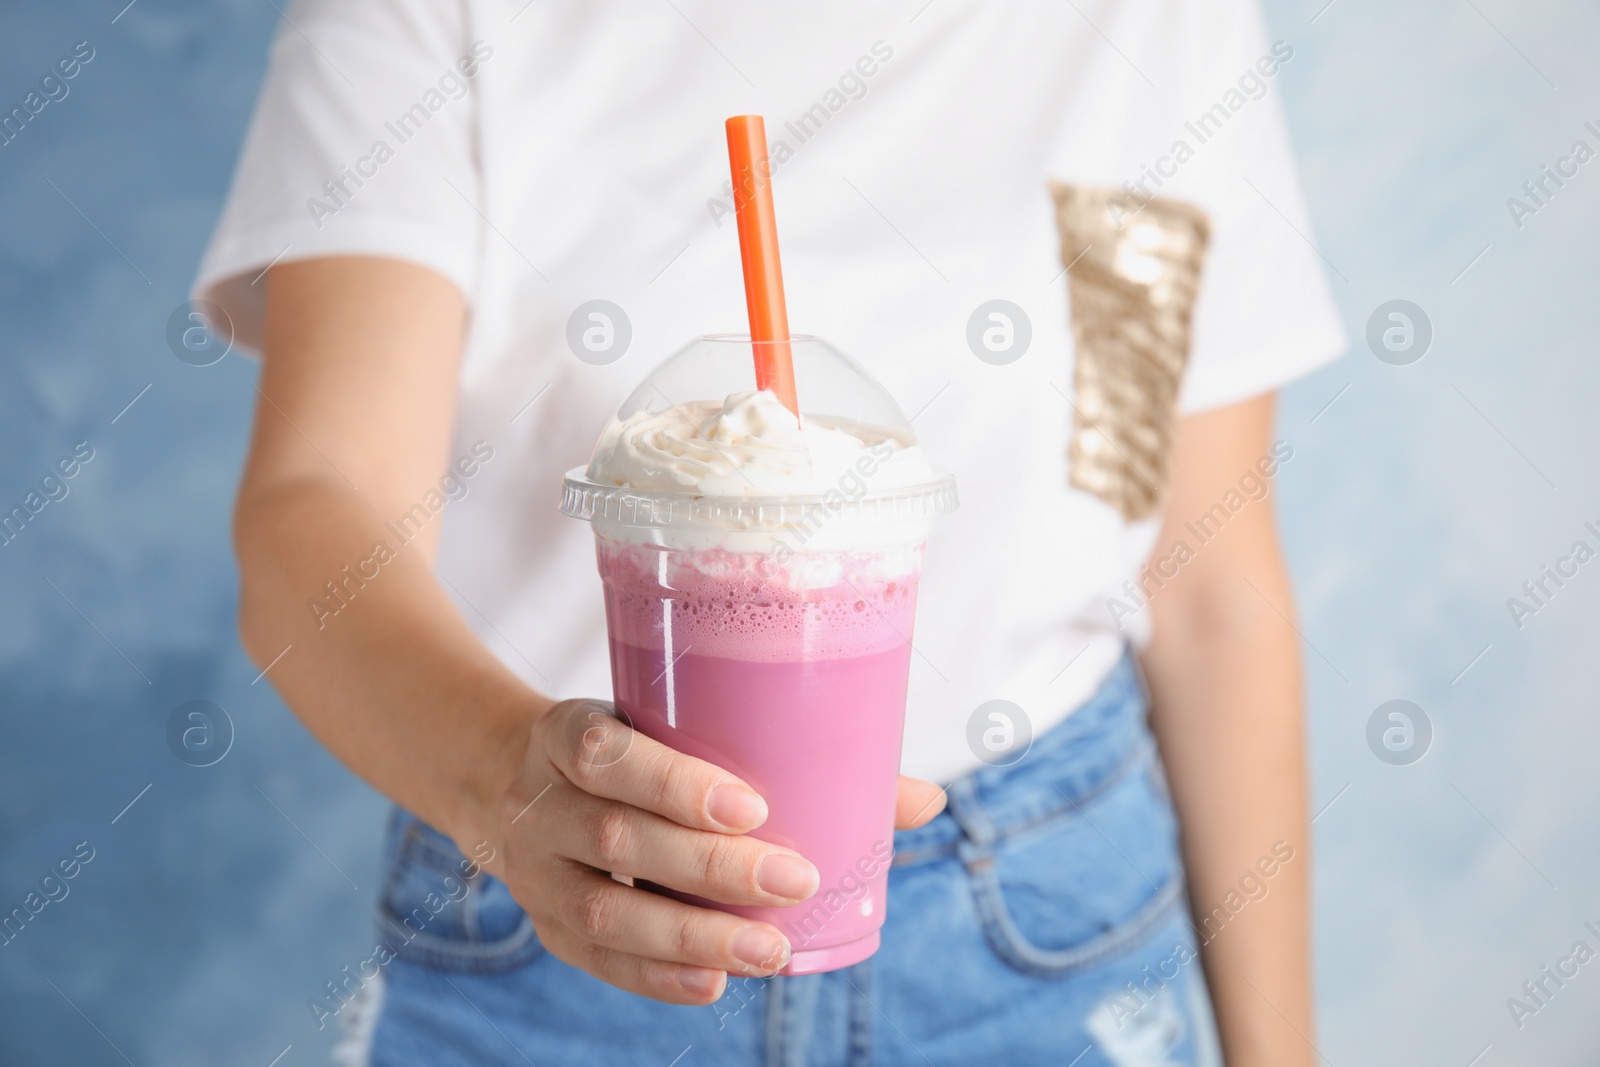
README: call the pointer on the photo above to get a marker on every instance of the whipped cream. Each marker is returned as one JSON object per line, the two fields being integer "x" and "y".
{"x": 750, "y": 445}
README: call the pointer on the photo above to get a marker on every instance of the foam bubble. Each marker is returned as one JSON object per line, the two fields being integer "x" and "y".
{"x": 751, "y": 606}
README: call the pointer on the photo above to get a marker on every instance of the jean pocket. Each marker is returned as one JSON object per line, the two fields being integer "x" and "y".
{"x": 439, "y": 910}
{"x": 1083, "y": 885}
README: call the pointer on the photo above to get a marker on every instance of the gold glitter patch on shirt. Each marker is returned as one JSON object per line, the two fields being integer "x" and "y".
{"x": 1132, "y": 276}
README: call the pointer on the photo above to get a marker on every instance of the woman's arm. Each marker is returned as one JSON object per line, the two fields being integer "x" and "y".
{"x": 1225, "y": 679}
{"x": 357, "y": 400}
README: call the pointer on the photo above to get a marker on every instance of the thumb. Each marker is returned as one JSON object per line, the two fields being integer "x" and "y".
{"x": 917, "y": 803}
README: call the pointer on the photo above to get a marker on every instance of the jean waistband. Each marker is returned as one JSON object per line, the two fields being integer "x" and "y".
{"x": 1093, "y": 748}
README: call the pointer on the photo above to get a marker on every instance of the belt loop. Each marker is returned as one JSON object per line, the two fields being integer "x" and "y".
{"x": 791, "y": 1019}
{"x": 777, "y": 988}
{"x": 860, "y": 1013}
{"x": 1140, "y": 683}
{"x": 977, "y": 850}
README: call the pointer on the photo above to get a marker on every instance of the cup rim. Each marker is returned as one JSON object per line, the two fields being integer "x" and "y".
{"x": 584, "y": 498}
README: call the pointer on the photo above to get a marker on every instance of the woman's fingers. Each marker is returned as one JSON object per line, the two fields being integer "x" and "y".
{"x": 729, "y": 868}
{"x": 602, "y": 755}
{"x": 674, "y": 983}
{"x": 602, "y": 799}
{"x": 917, "y": 803}
{"x": 603, "y": 912}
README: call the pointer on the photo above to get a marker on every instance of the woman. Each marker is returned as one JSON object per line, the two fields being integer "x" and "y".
{"x": 433, "y": 196}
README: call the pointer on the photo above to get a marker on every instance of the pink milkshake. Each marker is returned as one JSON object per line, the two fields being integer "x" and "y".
{"x": 760, "y": 586}
{"x": 797, "y": 689}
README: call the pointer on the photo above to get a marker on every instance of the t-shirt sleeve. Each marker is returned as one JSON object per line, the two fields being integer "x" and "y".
{"x": 362, "y": 143}
{"x": 1264, "y": 315}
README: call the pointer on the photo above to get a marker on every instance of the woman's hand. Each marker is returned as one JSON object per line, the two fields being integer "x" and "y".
{"x": 594, "y": 798}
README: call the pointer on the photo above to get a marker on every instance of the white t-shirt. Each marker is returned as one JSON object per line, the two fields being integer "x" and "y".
{"x": 542, "y": 155}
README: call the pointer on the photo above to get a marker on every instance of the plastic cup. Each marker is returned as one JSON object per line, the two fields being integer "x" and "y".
{"x": 771, "y": 635}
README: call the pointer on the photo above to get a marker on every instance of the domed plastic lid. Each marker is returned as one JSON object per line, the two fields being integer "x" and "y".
{"x": 696, "y": 445}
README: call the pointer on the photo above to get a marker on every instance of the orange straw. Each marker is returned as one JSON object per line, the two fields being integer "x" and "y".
{"x": 758, "y": 249}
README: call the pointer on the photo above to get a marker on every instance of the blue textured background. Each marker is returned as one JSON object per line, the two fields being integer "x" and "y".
{"x": 1417, "y": 503}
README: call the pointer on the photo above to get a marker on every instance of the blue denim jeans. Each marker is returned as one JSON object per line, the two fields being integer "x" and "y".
{"x": 1040, "y": 919}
